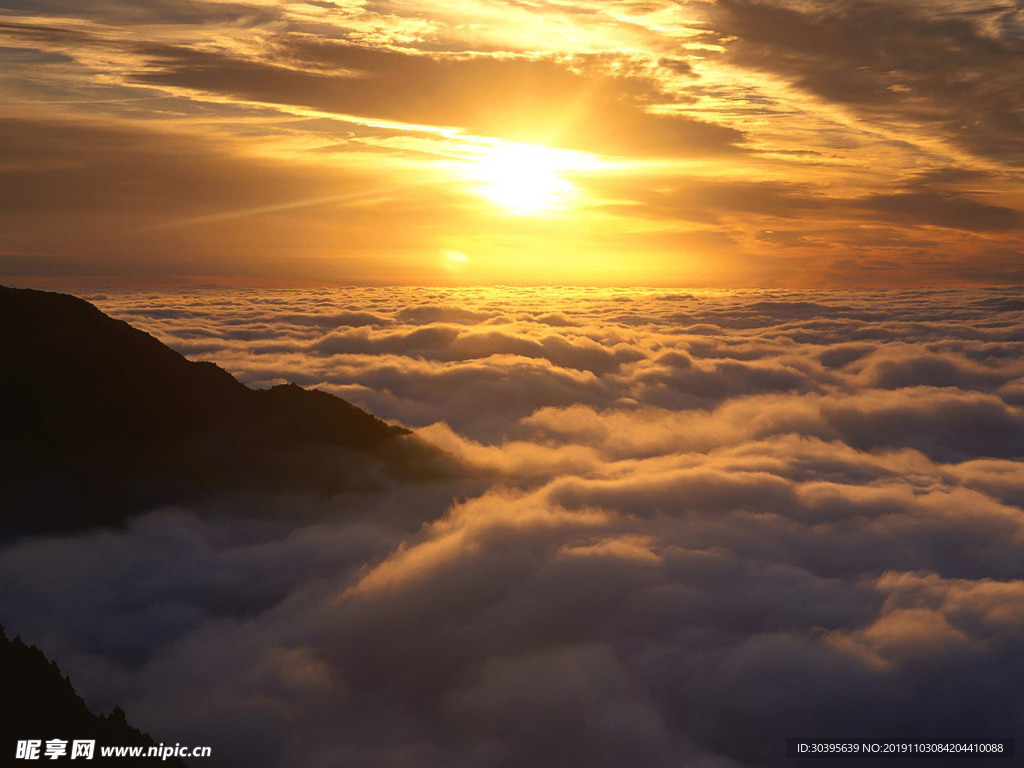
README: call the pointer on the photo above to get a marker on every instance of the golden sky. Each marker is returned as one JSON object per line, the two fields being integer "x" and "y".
{"x": 730, "y": 143}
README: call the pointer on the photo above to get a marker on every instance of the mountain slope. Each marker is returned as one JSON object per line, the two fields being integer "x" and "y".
{"x": 99, "y": 419}
{"x": 39, "y": 703}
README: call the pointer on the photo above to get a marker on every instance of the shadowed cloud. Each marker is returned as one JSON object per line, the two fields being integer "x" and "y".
{"x": 749, "y": 526}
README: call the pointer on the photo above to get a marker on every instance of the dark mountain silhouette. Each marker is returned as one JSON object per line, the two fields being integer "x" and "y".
{"x": 39, "y": 703}
{"x": 99, "y": 420}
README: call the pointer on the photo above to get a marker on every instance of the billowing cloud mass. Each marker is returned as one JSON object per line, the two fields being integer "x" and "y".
{"x": 692, "y": 525}
{"x": 734, "y": 143}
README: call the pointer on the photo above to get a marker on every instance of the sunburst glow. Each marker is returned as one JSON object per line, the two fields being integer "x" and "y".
{"x": 526, "y": 179}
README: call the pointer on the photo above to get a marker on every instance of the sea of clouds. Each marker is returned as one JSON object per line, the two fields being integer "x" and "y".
{"x": 692, "y": 525}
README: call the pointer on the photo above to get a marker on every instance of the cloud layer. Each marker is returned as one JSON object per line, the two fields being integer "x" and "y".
{"x": 732, "y": 143}
{"x": 693, "y": 525}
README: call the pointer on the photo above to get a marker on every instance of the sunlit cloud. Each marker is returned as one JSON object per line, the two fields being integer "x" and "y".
{"x": 669, "y": 499}
{"x": 735, "y": 143}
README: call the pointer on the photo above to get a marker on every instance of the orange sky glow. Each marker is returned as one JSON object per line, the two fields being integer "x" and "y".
{"x": 737, "y": 143}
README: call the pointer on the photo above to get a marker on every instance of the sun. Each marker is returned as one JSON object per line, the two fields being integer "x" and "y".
{"x": 526, "y": 179}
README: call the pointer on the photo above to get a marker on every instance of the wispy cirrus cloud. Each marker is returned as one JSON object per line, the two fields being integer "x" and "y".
{"x": 734, "y": 143}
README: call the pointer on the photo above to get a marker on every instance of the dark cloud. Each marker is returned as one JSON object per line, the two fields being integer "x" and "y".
{"x": 71, "y": 167}
{"x": 706, "y": 201}
{"x": 985, "y": 370}
{"x": 952, "y": 68}
{"x": 927, "y": 200}
{"x": 944, "y": 210}
{"x": 950, "y": 425}
{"x": 150, "y": 12}
{"x": 518, "y": 98}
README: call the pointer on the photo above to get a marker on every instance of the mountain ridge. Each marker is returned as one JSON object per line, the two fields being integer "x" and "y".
{"x": 40, "y": 703}
{"x": 102, "y": 420}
